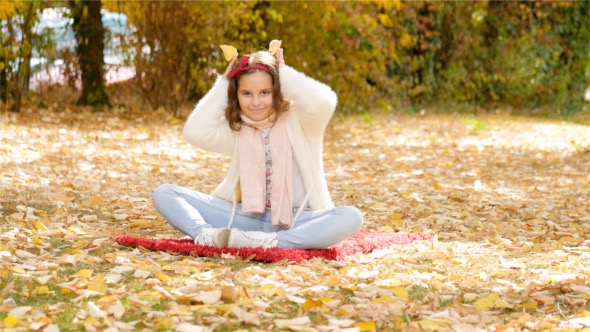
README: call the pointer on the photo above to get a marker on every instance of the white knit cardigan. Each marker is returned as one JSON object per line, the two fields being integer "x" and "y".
{"x": 312, "y": 105}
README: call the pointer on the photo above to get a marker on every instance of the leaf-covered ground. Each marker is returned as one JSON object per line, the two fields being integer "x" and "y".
{"x": 507, "y": 200}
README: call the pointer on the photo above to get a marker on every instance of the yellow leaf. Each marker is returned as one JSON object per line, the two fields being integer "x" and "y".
{"x": 8, "y": 10}
{"x": 400, "y": 292}
{"x": 267, "y": 287}
{"x": 383, "y": 299}
{"x": 18, "y": 270}
{"x": 431, "y": 324}
{"x": 79, "y": 243}
{"x": 549, "y": 327}
{"x": 36, "y": 240}
{"x": 40, "y": 226}
{"x": 399, "y": 323}
{"x": 342, "y": 312}
{"x": 487, "y": 302}
{"x": 384, "y": 20}
{"x": 96, "y": 201}
{"x": 406, "y": 40}
{"x": 326, "y": 300}
{"x": 502, "y": 304}
{"x": 98, "y": 284}
{"x": 91, "y": 321}
{"x": 310, "y": 304}
{"x": 229, "y": 52}
{"x": 76, "y": 230}
{"x": 10, "y": 322}
{"x": 395, "y": 218}
{"x": 228, "y": 293}
{"x": 524, "y": 318}
{"x": 164, "y": 323}
{"x": 162, "y": 277}
{"x": 108, "y": 299}
{"x": 42, "y": 290}
{"x": 224, "y": 308}
{"x": 529, "y": 306}
{"x": 564, "y": 239}
{"x": 141, "y": 223}
{"x": 366, "y": 327}
{"x": 83, "y": 274}
{"x": 274, "y": 45}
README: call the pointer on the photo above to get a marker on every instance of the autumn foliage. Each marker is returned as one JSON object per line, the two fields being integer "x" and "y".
{"x": 381, "y": 55}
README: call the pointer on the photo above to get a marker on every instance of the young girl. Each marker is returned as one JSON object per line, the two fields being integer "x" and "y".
{"x": 270, "y": 119}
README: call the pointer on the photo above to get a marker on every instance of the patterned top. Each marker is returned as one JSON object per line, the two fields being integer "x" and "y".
{"x": 265, "y": 134}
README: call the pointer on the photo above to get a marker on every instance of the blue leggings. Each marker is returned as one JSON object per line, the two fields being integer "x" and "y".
{"x": 189, "y": 211}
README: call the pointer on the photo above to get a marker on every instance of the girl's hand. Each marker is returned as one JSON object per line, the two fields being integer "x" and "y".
{"x": 233, "y": 64}
{"x": 280, "y": 59}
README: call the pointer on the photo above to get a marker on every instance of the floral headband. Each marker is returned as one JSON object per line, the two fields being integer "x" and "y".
{"x": 244, "y": 66}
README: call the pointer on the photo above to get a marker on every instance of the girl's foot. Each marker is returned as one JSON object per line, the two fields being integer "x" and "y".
{"x": 213, "y": 237}
{"x": 242, "y": 239}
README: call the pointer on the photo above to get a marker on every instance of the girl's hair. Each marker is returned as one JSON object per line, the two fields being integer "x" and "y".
{"x": 280, "y": 103}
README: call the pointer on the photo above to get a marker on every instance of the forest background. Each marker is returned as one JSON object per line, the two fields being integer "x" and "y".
{"x": 525, "y": 57}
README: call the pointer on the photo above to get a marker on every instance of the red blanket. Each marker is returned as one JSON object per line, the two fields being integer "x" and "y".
{"x": 363, "y": 242}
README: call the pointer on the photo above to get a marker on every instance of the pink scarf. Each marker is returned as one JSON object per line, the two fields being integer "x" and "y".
{"x": 252, "y": 166}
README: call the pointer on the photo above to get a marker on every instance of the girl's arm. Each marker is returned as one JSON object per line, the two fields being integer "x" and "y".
{"x": 206, "y": 126}
{"x": 314, "y": 101}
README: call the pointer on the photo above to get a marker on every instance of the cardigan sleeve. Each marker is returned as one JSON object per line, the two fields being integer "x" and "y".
{"x": 313, "y": 101}
{"x": 206, "y": 126}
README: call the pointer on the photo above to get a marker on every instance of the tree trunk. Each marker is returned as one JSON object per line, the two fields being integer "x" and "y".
{"x": 90, "y": 50}
{"x": 3, "y": 81}
{"x": 20, "y": 80}
{"x": 446, "y": 35}
{"x": 27, "y": 50}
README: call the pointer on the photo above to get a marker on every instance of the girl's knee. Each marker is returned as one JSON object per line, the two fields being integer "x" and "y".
{"x": 163, "y": 189}
{"x": 353, "y": 217}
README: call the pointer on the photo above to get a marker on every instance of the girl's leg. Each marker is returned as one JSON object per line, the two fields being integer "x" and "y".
{"x": 190, "y": 211}
{"x": 319, "y": 229}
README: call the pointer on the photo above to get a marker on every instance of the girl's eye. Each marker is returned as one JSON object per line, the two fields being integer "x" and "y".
{"x": 266, "y": 92}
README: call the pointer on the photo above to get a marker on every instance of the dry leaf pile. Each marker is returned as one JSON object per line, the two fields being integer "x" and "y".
{"x": 508, "y": 200}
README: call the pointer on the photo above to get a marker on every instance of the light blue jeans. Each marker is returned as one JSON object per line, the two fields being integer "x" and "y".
{"x": 190, "y": 211}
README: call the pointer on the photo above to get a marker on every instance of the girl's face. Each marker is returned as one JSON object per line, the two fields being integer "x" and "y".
{"x": 255, "y": 95}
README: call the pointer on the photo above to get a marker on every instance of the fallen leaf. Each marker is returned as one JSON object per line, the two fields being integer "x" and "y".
{"x": 487, "y": 302}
